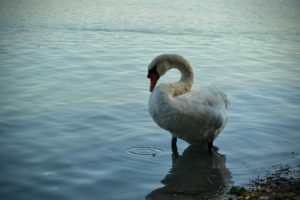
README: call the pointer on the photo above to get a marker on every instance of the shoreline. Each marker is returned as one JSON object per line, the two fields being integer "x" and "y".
{"x": 280, "y": 184}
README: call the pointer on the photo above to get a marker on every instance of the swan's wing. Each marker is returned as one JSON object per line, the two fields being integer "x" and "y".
{"x": 202, "y": 110}
{"x": 209, "y": 96}
{"x": 205, "y": 96}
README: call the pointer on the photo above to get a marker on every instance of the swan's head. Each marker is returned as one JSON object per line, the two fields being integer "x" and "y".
{"x": 157, "y": 68}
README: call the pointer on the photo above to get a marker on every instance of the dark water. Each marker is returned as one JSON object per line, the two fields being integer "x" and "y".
{"x": 73, "y": 109}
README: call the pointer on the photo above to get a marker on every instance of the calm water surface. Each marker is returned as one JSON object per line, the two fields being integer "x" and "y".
{"x": 73, "y": 109}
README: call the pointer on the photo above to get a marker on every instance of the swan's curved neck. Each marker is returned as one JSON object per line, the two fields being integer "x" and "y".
{"x": 187, "y": 77}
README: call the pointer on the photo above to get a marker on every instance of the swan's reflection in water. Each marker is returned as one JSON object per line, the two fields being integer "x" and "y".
{"x": 196, "y": 174}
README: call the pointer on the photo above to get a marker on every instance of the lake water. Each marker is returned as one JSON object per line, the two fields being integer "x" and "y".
{"x": 73, "y": 108}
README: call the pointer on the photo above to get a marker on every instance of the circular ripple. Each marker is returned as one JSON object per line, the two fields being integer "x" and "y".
{"x": 144, "y": 151}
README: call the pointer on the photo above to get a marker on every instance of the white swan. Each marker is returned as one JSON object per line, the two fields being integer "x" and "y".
{"x": 195, "y": 116}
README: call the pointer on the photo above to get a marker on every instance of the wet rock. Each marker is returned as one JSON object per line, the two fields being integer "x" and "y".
{"x": 283, "y": 184}
{"x": 238, "y": 191}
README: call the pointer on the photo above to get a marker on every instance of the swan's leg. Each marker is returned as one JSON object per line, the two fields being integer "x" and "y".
{"x": 210, "y": 145}
{"x": 174, "y": 145}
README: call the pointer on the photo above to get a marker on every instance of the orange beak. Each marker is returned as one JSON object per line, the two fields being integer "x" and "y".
{"x": 153, "y": 80}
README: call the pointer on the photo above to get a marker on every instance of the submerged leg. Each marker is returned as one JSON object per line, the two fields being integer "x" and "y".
{"x": 210, "y": 145}
{"x": 173, "y": 145}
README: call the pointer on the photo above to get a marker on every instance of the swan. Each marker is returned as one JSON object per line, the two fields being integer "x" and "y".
{"x": 196, "y": 116}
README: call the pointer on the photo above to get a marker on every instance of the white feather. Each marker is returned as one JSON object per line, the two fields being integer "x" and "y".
{"x": 195, "y": 116}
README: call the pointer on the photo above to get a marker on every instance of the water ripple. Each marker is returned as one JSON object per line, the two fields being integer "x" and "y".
{"x": 144, "y": 151}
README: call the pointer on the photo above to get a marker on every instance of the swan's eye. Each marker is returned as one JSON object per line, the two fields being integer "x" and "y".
{"x": 153, "y": 71}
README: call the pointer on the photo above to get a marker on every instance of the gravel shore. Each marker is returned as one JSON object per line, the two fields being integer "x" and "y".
{"x": 282, "y": 184}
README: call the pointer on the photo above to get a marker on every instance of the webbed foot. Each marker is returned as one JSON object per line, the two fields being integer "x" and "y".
{"x": 174, "y": 145}
{"x": 210, "y": 146}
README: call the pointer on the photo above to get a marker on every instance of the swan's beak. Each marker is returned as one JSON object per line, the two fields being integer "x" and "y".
{"x": 153, "y": 80}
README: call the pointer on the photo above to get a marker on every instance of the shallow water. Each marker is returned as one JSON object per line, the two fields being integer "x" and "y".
{"x": 74, "y": 122}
